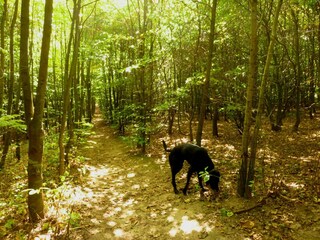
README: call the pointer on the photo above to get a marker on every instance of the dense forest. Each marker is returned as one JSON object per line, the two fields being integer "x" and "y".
{"x": 154, "y": 69}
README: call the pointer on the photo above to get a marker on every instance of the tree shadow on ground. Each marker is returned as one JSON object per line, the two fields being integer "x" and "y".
{"x": 130, "y": 197}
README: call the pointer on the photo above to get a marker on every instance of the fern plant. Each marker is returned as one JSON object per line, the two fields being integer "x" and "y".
{"x": 12, "y": 122}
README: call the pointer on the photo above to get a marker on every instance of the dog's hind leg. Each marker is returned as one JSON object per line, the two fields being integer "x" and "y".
{"x": 173, "y": 181}
{"x": 190, "y": 172}
{"x": 175, "y": 168}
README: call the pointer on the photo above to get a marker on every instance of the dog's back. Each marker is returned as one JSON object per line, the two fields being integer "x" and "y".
{"x": 198, "y": 159}
{"x": 192, "y": 153}
{"x": 196, "y": 156}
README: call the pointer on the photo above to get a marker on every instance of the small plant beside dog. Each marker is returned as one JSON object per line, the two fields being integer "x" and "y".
{"x": 226, "y": 212}
{"x": 205, "y": 175}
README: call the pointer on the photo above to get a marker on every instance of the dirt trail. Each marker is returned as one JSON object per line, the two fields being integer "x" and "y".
{"x": 130, "y": 197}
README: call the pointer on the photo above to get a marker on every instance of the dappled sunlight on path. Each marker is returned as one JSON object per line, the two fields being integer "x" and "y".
{"x": 130, "y": 197}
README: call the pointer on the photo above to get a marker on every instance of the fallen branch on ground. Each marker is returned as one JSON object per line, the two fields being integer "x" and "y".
{"x": 275, "y": 192}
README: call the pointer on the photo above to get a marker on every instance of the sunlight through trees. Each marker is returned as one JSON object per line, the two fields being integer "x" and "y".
{"x": 179, "y": 70}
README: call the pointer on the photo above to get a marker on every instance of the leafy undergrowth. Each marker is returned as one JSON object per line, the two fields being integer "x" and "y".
{"x": 113, "y": 192}
{"x": 61, "y": 194}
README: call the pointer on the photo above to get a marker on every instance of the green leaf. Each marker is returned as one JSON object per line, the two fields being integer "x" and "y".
{"x": 74, "y": 219}
{"x": 9, "y": 224}
{"x": 226, "y": 213}
{"x": 251, "y": 184}
{"x": 205, "y": 175}
{"x": 230, "y": 214}
{"x": 12, "y": 121}
{"x": 45, "y": 226}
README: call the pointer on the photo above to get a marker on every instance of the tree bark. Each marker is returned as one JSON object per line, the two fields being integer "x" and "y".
{"x": 11, "y": 54}
{"x": 2, "y": 54}
{"x": 8, "y": 134}
{"x": 68, "y": 74}
{"x": 205, "y": 90}
{"x": 297, "y": 70}
{"x": 253, "y": 71}
{"x": 254, "y": 140}
{"x": 35, "y": 151}
{"x": 24, "y": 65}
{"x": 89, "y": 109}
{"x": 141, "y": 81}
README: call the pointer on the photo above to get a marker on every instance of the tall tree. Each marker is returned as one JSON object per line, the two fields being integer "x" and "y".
{"x": 35, "y": 131}
{"x": 2, "y": 54}
{"x": 8, "y": 135}
{"x": 205, "y": 89}
{"x": 24, "y": 58}
{"x": 89, "y": 108}
{"x": 253, "y": 72}
{"x": 69, "y": 74}
{"x": 297, "y": 64}
{"x": 140, "y": 77}
{"x": 11, "y": 61}
{"x": 254, "y": 139}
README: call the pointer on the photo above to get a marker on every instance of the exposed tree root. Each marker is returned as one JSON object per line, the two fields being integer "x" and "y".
{"x": 273, "y": 193}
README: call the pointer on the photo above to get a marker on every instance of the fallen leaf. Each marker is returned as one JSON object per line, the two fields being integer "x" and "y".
{"x": 203, "y": 235}
{"x": 247, "y": 224}
{"x": 295, "y": 226}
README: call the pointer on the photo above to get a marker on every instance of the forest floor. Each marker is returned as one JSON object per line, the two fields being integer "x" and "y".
{"x": 113, "y": 192}
{"x": 129, "y": 196}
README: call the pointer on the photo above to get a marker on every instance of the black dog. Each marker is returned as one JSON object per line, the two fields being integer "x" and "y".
{"x": 199, "y": 161}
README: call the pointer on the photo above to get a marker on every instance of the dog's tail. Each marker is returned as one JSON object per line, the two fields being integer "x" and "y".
{"x": 165, "y": 146}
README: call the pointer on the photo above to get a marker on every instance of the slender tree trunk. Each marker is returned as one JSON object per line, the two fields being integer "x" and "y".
{"x": 298, "y": 72}
{"x": 318, "y": 65}
{"x": 171, "y": 115}
{"x": 312, "y": 86}
{"x": 68, "y": 75}
{"x": 253, "y": 68}
{"x": 55, "y": 101}
{"x": 205, "y": 90}
{"x": 11, "y": 54}
{"x": 215, "y": 119}
{"x": 2, "y": 53}
{"x": 6, "y": 144}
{"x": 76, "y": 97}
{"x": 8, "y": 135}
{"x": 280, "y": 89}
{"x": 107, "y": 92}
{"x": 66, "y": 96}
{"x": 141, "y": 78}
{"x": 82, "y": 78}
{"x": 254, "y": 140}
{"x": 73, "y": 77}
{"x": 318, "y": 54}
{"x": 24, "y": 64}
{"x": 89, "y": 92}
{"x": 35, "y": 151}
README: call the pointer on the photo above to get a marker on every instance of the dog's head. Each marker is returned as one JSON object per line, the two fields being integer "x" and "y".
{"x": 214, "y": 180}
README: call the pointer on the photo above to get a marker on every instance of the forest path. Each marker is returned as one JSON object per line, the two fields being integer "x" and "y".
{"x": 130, "y": 197}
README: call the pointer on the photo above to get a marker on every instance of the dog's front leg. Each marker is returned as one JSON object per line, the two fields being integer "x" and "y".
{"x": 200, "y": 182}
{"x": 188, "y": 180}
